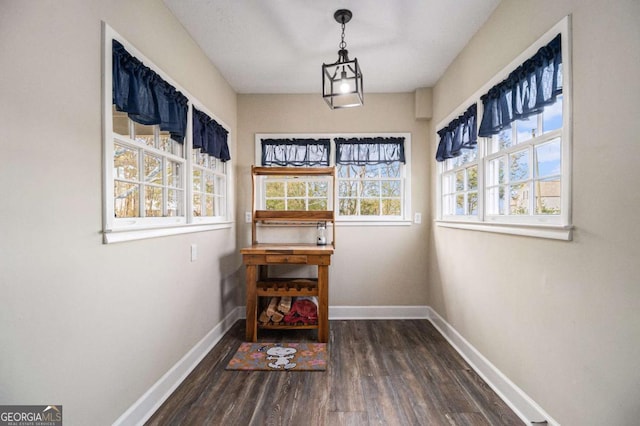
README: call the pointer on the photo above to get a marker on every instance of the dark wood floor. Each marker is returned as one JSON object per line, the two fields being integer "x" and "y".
{"x": 379, "y": 372}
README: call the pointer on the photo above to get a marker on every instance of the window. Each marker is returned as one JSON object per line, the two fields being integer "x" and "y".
{"x": 147, "y": 171}
{"x": 160, "y": 177}
{"x": 517, "y": 178}
{"x": 524, "y": 167}
{"x": 460, "y": 185}
{"x": 372, "y": 175}
{"x": 296, "y": 194}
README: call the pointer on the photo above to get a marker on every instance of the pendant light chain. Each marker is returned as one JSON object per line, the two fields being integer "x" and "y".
{"x": 343, "y": 43}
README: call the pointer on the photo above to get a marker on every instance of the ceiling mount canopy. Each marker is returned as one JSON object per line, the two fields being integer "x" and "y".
{"x": 342, "y": 80}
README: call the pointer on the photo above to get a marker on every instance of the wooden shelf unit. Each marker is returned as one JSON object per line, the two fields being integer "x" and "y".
{"x": 259, "y": 256}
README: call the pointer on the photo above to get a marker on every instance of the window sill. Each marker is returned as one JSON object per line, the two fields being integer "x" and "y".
{"x": 564, "y": 233}
{"x": 373, "y": 222}
{"x": 118, "y": 236}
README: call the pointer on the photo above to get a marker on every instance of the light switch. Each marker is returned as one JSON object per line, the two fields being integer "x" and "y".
{"x": 194, "y": 252}
{"x": 417, "y": 218}
{"x": 247, "y": 217}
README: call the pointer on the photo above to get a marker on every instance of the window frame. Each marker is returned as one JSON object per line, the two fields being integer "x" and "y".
{"x": 403, "y": 220}
{"x": 543, "y": 226}
{"x": 127, "y": 229}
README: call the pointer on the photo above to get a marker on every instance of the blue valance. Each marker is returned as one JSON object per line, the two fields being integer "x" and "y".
{"x": 460, "y": 133}
{"x": 145, "y": 96}
{"x": 209, "y": 136}
{"x": 368, "y": 151}
{"x": 295, "y": 152}
{"x": 525, "y": 92}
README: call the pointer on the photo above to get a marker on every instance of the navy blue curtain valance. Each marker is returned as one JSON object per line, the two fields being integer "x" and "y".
{"x": 460, "y": 133}
{"x": 145, "y": 96}
{"x": 295, "y": 152}
{"x": 368, "y": 151}
{"x": 525, "y": 92}
{"x": 209, "y": 136}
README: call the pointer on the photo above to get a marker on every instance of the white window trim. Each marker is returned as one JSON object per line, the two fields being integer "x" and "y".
{"x": 405, "y": 220}
{"x": 536, "y": 227}
{"x": 129, "y": 229}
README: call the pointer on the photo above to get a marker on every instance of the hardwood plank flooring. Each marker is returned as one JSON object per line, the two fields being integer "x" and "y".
{"x": 400, "y": 372}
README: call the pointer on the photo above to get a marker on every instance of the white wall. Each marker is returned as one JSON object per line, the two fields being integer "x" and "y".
{"x": 560, "y": 319}
{"x": 372, "y": 266}
{"x": 82, "y": 324}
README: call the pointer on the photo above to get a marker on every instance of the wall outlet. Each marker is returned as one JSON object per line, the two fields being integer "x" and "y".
{"x": 247, "y": 217}
{"x": 194, "y": 252}
{"x": 417, "y": 218}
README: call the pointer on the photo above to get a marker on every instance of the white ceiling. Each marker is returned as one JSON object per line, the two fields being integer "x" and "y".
{"x": 278, "y": 46}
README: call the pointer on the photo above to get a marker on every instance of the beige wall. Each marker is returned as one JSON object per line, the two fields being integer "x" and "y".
{"x": 372, "y": 265}
{"x": 560, "y": 319}
{"x": 82, "y": 324}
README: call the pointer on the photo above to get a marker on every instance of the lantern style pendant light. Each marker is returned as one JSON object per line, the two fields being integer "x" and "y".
{"x": 342, "y": 80}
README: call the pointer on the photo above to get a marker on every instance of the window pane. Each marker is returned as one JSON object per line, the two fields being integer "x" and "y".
{"x": 348, "y": 188}
{"x": 502, "y": 140}
{"x": 127, "y": 197}
{"x": 348, "y": 207}
{"x": 275, "y": 204}
{"x": 295, "y": 205}
{"x": 472, "y": 177}
{"x": 296, "y": 189}
{"x": 275, "y": 189}
{"x": 197, "y": 183}
{"x": 209, "y": 205}
{"x": 373, "y": 170}
{"x": 144, "y": 134}
{"x": 527, "y": 128}
{"x": 548, "y": 196}
{"x": 472, "y": 203}
{"x": 153, "y": 201}
{"x": 552, "y": 116}
{"x": 371, "y": 189}
{"x": 519, "y": 203}
{"x": 174, "y": 203}
{"x": 347, "y": 171}
{"x": 391, "y": 188}
{"x": 460, "y": 180}
{"x": 197, "y": 205}
{"x": 209, "y": 187}
{"x": 497, "y": 171}
{"x": 125, "y": 162}
{"x": 519, "y": 166}
{"x": 152, "y": 169}
{"x": 369, "y": 207}
{"x": 447, "y": 205}
{"x": 164, "y": 143}
{"x": 466, "y": 156}
{"x": 317, "y": 204}
{"x": 391, "y": 207}
{"x": 318, "y": 189}
{"x": 447, "y": 184}
{"x": 174, "y": 174}
{"x": 495, "y": 200}
{"x": 548, "y": 158}
{"x": 460, "y": 204}
{"x": 390, "y": 170}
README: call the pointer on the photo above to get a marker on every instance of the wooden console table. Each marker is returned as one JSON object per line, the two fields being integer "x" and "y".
{"x": 259, "y": 256}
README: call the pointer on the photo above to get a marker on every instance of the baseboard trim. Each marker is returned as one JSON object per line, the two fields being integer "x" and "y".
{"x": 524, "y": 407}
{"x": 151, "y": 400}
{"x": 378, "y": 312}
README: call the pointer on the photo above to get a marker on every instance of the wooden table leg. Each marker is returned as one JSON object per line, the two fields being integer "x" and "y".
{"x": 323, "y": 303}
{"x": 252, "y": 305}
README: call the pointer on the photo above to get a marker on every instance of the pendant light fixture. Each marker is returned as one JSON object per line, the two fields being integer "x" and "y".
{"x": 342, "y": 80}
